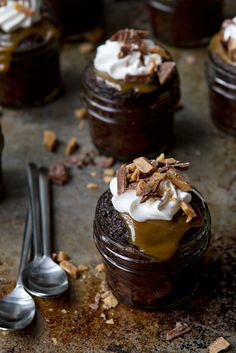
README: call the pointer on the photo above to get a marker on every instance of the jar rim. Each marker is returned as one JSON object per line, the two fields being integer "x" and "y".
{"x": 141, "y": 257}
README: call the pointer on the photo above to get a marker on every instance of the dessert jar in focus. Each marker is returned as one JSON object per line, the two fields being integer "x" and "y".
{"x": 152, "y": 230}
{"x": 29, "y": 60}
{"x": 185, "y": 22}
{"x": 221, "y": 77}
{"x": 131, "y": 92}
{"x": 1, "y": 149}
{"x": 79, "y": 19}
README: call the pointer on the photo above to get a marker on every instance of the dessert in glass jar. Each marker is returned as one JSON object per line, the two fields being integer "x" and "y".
{"x": 152, "y": 230}
{"x": 221, "y": 77}
{"x": 185, "y": 22}
{"x": 1, "y": 149}
{"x": 131, "y": 92}
{"x": 79, "y": 19}
{"x": 29, "y": 55}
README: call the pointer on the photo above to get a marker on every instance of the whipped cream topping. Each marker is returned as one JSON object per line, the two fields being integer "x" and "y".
{"x": 229, "y": 29}
{"x": 19, "y": 14}
{"x": 107, "y": 60}
{"x": 152, "y": 209}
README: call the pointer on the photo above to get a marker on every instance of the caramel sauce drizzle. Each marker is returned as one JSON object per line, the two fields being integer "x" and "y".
{"x": 217, "y": 47}
{"x": 159, "y": 238}
{"x": 9, "y": 42}
{"x": 125, "y": 86}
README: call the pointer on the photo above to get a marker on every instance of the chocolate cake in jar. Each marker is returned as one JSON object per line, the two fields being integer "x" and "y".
{"x": 221, "y": 77}
{"x": 29, "y": 60}
{"x": 185, "y": 22}
{"x": 131, "y": 92}
{"x": 1, "y": 150}
{"x": 78, "y": 19}
{"x": 152, "y": 229}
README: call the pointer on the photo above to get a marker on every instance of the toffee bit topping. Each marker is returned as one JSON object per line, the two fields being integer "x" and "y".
{"x": 136, "y": 41}
{"x": 178, "y": 179}
{"x": 165, "y": 71}
{"x": 179, "y": 330}
{"x": 145, "y": 176}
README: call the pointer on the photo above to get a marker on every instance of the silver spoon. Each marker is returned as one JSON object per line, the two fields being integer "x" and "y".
{"x": 42, "y": 277}
{"x": 17, "y": 309}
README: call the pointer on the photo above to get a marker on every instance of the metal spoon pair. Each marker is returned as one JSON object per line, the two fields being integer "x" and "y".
{"x": 41, "y": 277}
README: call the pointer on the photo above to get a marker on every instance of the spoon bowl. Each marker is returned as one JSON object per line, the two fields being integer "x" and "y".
{"x": 44, "y": 278}
{"x": 17, "y": 309}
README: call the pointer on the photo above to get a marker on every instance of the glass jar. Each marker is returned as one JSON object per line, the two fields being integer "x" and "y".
{"x": 185, "y": 22}
{"x": 221, "y": 79}
{"x": 79, "y": 19}
{"x": 31, "y": 76}
{"x": 144, "y": 282}
{"x": 1, "y": 149}
{"x": 128, "y": 124}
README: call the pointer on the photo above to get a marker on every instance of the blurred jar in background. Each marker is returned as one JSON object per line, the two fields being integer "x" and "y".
{"x": 79, "y": 19}
{"x": 1, "y": 149}
{"x": 185, "y": 22}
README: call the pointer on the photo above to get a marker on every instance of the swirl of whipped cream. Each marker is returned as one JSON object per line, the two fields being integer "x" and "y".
{"x": 229, "y": 29}
{"x": 152, "y": 209}
{"x": 107, "y": 60}
{"x": 19, "y": 14}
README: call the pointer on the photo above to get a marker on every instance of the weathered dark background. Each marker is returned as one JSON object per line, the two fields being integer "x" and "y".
{"x": 67, "y": 324}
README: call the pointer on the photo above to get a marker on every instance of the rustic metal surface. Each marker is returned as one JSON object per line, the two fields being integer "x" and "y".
{"x": 67, "y": 324}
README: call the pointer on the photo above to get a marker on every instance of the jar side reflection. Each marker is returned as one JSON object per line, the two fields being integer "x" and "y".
{"x": 1, "y": 150}
{"x": 222, "y": 96}
{"x": 144, "y": 282}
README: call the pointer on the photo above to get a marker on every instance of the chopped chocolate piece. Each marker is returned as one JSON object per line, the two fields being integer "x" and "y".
{"x": 144, "y": 165}
{"x": 155, "y": 180}
{"x": 179, "y": 330}
{"x": 50, "y": 140}
{"x": 129, "y": 35}
{"x": 178, "y": 179}
{"x": 219, "y": 345}
{"x": 106, "y": 162}
{"x": 71, "y": 146}
{"x": 135, "y": 175}
{"x": 58, "y": 173}
{"x": 121, "y": 179}
{"x": 165, "y": 71}
{"x": 70, "y": 268}
{"x": 96, "y": 303}
{"x": 146, "y": 79}
{"x": 188, "y": 210}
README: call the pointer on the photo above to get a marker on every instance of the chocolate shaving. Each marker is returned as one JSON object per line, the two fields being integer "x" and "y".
{"x": 129, "y": 35}
{"x": 165, "y": 71}
{"x": 144, "y": 165}
{"x": 146, "y": 79}
{"x": 58, "y": 173}
{"x": 121, "y": 180}
{"x": 179, "y": 330}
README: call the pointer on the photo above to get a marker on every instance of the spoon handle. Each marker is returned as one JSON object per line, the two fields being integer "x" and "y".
{"x": 25, "y": 246}
{"x": 45, "y": 207}
{"x": 32, "y": 174}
